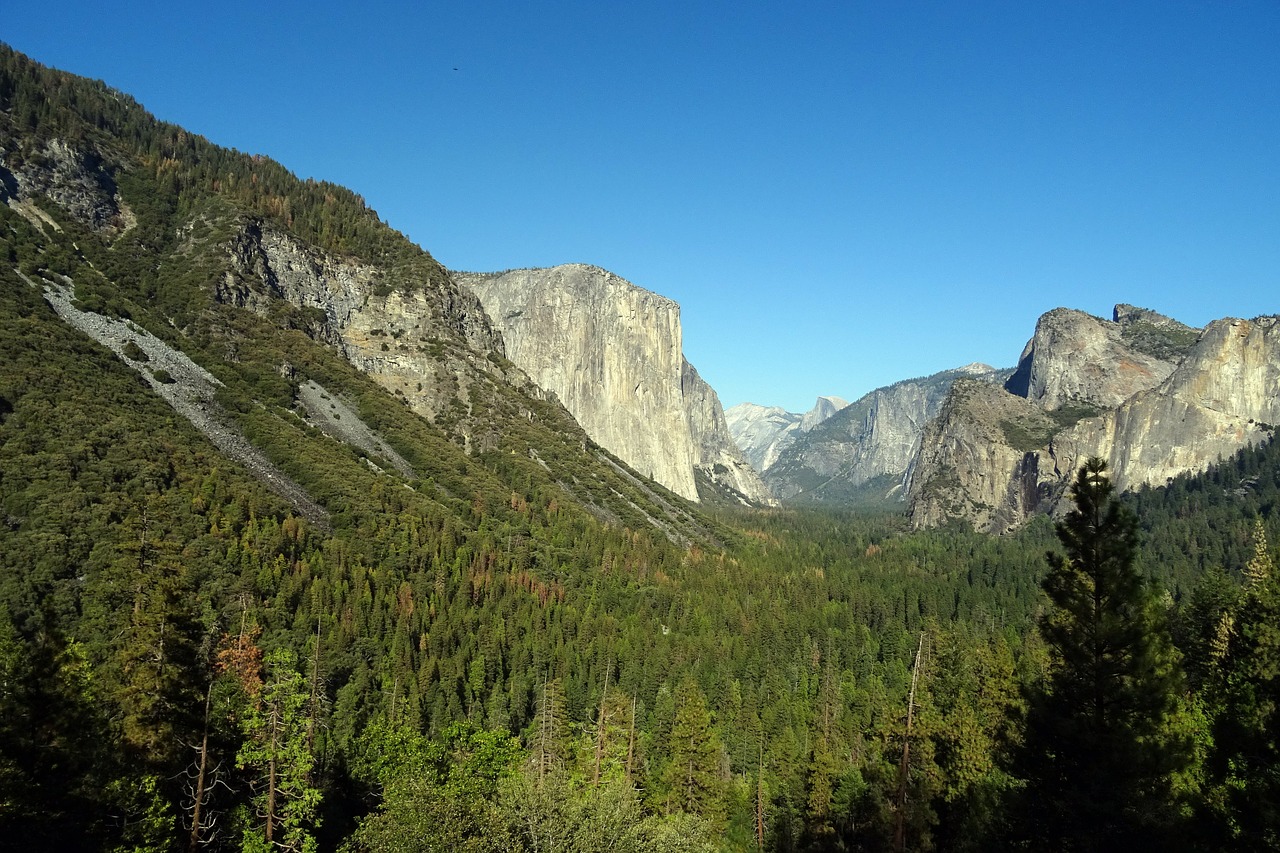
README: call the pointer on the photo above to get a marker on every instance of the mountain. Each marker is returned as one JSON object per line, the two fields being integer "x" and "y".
{"x": 611, "y": 352}
{"x": 1076, "y": 359}
{"x": 763, "y": 432}
{"x": 292, "y": 555}
{"x": 1152, "y": 396}
{"x": 722, "y": 472}
{"x": 858, "y": 453}
{"x": 144, "y": 235}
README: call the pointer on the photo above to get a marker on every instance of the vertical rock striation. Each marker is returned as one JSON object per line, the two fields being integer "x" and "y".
{"x": 1153, "y": 397}
{"x": 1075, "y": 358}
{"x": 612, "y": 353}
{"x": 763, "y": 432}
{"x": 1224, "y": 396}
{"x": 716, "y": 456}
{"x": 864, "y": 450}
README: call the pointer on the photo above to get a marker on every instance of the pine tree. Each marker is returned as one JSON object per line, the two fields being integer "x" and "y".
{"x": 694, "y": 751}
{"x": 1099, "y": 756}
{"x": 275, "y": 750}
{"x": 1246, "y": 760}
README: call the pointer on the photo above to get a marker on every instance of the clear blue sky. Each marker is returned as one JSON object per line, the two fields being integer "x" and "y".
{"x": 839, "y": 195}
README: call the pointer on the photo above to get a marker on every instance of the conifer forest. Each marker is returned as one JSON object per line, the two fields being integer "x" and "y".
{"x": 495, "y": 646}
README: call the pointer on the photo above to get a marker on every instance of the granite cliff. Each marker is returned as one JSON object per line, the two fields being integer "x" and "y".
{"x": 1076, "y": 359}
{"x": 719, "y": 465}
{"x": 763, "y": 432}
{"x": 861, "y": 451}
{"x": 1152, "y": 396}
{"x": 260, "y": 306}
{"x": 429, "y": 343}
{"x": 612, "y": 354}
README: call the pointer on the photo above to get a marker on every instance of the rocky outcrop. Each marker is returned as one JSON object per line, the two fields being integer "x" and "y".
{"x": 978, "y": 460}
{"x": 609, "y": 351}
{"x": 77, "y": 180}
{"x": 187, "y": 387}
{"x": 993, "y": 458}
{"x": 864, "y": 450}
{"x": 824, "y": 408}
{"x": 612, "y": 354}
{"x": 1077, "y": 359}
{"x": 1224, "y": 396}
{"x": 428, "y": 341}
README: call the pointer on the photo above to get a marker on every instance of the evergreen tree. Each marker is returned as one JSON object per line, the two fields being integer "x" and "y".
{"x": 275, "y": 749}
{"x": 694, "y": 751}
{"x": 1246, "y": 760}
{"x": 1099, "y": 754}
{"x": 158, "y": 658}
{"x": 438, "y": 795}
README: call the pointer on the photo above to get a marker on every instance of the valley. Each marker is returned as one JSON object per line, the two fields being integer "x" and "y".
{"x": 310, "y": 543}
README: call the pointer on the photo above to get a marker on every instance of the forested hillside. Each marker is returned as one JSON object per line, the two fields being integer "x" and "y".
{"x": 490, "y": 635}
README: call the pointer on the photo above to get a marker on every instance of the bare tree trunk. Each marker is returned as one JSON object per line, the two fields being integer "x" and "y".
{"x": 315, "y": 690}
{"x": 900, "y": 832}
{"x": 760, "y": 801}
{"x": 600, "y": 729}
{"x": 631, "y": 740}
{"x": 271, "y": 778}
{"x": 198, "y": 805}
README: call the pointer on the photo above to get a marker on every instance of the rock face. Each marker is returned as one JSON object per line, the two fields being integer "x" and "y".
{"x": 76, "y": 179}
{"x": 1223, "y": 396}
{"x": 429, "y": 343}
{"x": 1153, "y": 397}
{"x": 763, "y": 432}
{"x": 716, "y": 456}
{"x": 973, "y": 462}
{"x": 863, "y": 451}
{"x": 612, "y": 354}
{"x": 1075, "y": 358}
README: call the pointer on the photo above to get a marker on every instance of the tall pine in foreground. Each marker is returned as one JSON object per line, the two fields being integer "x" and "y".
{"x": 1100, "y": 755}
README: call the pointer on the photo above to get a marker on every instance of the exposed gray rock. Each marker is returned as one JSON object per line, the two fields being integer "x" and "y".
{"x": 759, "y": 431}
{"x": 187, "y": 387}
{"x": 1077, "y": 359}
{"x": 1224, "y": 396}
{"x": 609, "y": 351}
{"x": 763, "y": 432}
{"x": 716, "y": 456}
{"x": 76, "y": 180}
{"x": 333, "y": 416}
{"x": 993, "y": 458}
{"x": 612, "y": 353}
{"x": 823, "y": 409}
{"x": 864, "y": 450}
{"x": 977, "y": 460}
{"x": 429, "y": 343}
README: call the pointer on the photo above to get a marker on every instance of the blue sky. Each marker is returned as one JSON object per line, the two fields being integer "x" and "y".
{"x": 839, "y": 195}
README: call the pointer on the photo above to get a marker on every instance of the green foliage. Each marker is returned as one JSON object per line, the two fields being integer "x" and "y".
{"x": 691, "y": 780}
{"x": 1204, "y": 523}
{"x": 437, "y": 795}
{"x": 135, "y": 352}
{"x": 1028, "y": 434}
{"x": 1245, "y": 761}
{"x": 1101, "y": 753}
{"x": 276, "y": 752}
{"x": 1161, "y": 341}
{"x": 556, "y": 815}
{"x": 147, "y": 820}
{"x": 745, "y": 671}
